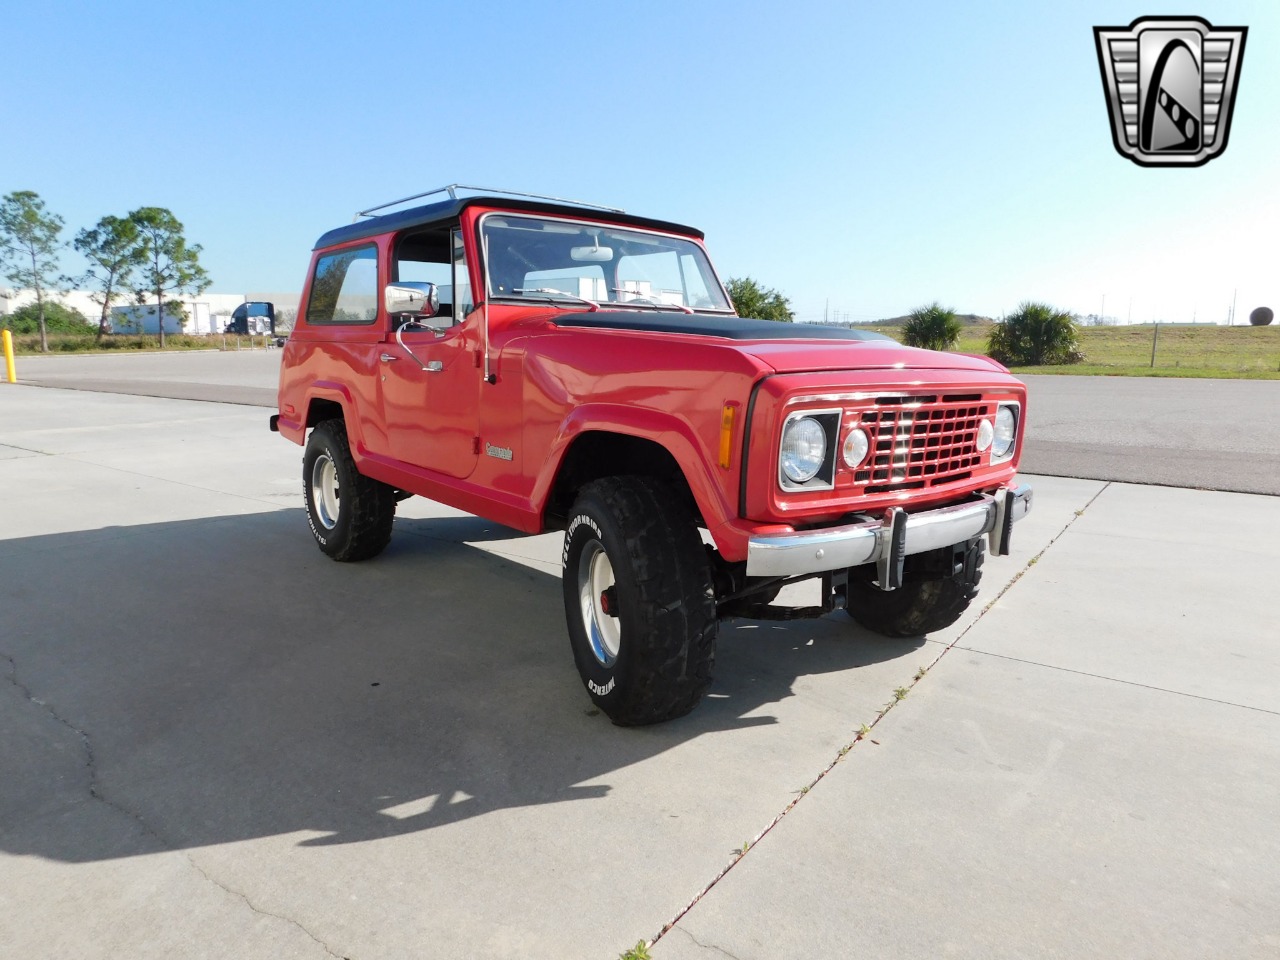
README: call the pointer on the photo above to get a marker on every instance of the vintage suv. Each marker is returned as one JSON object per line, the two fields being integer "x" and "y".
{"x": 552, "y": 365}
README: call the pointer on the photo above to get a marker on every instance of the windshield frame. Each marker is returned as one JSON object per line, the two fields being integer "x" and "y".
{"x": 574, "y": 301}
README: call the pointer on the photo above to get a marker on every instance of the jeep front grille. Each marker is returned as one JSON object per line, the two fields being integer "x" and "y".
{"x": 919, "y": 442}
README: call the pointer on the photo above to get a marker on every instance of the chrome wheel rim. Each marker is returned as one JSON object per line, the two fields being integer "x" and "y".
{"x": 596, "y": 594}
{"x": 325, "y": 495}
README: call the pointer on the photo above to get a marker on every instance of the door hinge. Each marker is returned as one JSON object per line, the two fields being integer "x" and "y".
{"x": 475, "y": 446}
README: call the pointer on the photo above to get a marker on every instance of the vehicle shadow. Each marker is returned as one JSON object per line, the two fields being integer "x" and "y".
{"x": 221, "y": 680}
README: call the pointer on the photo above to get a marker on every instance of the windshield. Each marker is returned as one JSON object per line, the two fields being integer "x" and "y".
{"x": 537, "y": 258}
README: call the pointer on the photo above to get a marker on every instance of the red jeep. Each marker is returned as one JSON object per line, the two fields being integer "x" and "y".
{"x": 552, "y": 365}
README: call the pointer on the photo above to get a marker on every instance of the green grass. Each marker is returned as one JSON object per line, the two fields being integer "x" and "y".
{"x": 1244, "y": 353}
{"x": 28, "y": 344}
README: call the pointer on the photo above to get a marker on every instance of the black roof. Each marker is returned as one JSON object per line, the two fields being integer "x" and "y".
{"x": 450, "y": 209}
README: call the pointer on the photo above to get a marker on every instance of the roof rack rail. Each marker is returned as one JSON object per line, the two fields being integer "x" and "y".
{"x": 453, "y": 188}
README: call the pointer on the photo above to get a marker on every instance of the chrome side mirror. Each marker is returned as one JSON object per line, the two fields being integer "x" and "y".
{"x": 411, "y": 299}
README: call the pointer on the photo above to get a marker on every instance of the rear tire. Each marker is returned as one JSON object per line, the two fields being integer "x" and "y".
{"x": 917, "y": 607}
{"x": 350, "y": 514}
{"x": 639, "y": 600}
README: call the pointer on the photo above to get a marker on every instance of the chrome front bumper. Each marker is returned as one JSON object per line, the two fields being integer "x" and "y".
{"x": 898, "y": 534}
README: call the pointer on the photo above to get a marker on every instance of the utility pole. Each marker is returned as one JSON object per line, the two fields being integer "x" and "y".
{"x": 1231, "y": 317}
{"x": 1103, "y": 312}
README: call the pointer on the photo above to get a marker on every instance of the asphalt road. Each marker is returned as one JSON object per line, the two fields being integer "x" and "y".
{"x": 1204, "y": 434}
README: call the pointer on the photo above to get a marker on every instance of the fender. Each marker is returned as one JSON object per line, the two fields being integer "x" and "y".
{"x": 714, "y": 499}
{"x": 340, "y": 394}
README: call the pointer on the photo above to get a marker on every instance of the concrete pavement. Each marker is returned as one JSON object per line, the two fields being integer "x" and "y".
{"x": 1092, "y": 770}
{"x": 221, "y": 743}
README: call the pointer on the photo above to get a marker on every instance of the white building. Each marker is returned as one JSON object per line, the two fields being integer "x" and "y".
{"x": 206, "y": 314}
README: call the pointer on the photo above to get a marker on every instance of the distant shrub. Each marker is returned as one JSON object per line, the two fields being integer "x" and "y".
{"x": 57, "y": 319}
{"x": 1036, "y": 335}
{"x": 933, "y": 327}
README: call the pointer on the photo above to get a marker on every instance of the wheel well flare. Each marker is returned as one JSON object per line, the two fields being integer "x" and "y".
{"x": 596, "y": 454}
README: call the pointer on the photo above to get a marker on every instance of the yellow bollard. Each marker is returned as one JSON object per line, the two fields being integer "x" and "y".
{"x": 8, "y": 356}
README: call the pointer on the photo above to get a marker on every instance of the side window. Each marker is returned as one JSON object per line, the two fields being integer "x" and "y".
{"x": 426, "y": 257}
{"x": 464, "y": 303}
{"x": 345, "y": 288}
{"x": 425, "y": 271}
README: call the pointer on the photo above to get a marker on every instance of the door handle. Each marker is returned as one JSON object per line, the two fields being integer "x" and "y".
{"x": 387, "y": 358}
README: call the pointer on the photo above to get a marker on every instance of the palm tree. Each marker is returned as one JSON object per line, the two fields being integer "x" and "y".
{"x": 1035, "y": 335}
{"x": 933, "y": 327}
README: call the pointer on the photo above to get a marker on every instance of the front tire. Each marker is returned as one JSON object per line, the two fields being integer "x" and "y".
{"x": 350, "y": 514}
{"x": 917, "y": 607}
{"x": 638, "y": 600}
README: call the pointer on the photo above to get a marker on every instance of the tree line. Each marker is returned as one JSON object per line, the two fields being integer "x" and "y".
{"x": 143, "y": 254}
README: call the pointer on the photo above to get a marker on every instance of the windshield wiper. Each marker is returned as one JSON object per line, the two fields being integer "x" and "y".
{"x": 553, "y": 292}
{"x": 648, "y": 301}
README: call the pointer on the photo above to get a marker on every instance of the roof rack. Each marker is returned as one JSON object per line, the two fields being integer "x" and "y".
{"x": 453, "y": 188}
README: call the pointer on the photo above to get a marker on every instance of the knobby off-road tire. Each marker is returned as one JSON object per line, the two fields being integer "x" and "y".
{"x": 350, "y": 515}
{"x": 639, "y": 600}
{"x": 917, "y": 607}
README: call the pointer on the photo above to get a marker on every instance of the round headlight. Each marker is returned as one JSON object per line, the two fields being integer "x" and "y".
{"x": 1006, "y": 430}
{"x": 986, "y": 433}
{"x": 804, "y": 448}
{"x": 855, "y": 447}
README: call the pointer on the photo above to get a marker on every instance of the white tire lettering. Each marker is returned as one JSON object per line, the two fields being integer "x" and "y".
{"x": 598, "y": 690}
{"x": 578, "y": 521}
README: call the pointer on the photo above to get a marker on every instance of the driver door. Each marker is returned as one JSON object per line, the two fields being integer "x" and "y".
{"x": 430, "y": 385}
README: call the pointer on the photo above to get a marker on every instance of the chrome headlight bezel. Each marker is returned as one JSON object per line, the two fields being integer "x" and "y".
{"x": 1004, "y": 443}
{"x": 820, "y": 473}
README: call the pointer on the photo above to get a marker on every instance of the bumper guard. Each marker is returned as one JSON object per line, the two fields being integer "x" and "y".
{"x": 886, "y": 541}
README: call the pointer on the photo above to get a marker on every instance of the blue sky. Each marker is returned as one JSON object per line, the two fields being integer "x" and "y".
{"x": 863, "y": 158}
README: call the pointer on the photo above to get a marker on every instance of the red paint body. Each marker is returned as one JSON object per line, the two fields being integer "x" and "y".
{"x": 430, "y": 433}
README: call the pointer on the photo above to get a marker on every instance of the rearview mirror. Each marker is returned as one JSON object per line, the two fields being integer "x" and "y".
{"x": 593, "y": 254}
{"x": 411, "y": 298}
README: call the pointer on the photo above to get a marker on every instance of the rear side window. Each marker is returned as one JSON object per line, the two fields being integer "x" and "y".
{"x": 345, "y": 288}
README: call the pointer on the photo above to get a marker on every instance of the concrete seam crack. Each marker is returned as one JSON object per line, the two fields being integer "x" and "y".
{"x": 865, "y": 734}
{"x": 707, "y": 946}
{"x": 95, "y": 792}
{"x": 1127, "y": 683}
{"x": 243, "y": 898}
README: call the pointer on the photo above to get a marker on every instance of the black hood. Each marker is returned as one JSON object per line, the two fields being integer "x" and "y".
{"x": 731, "y": 328}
